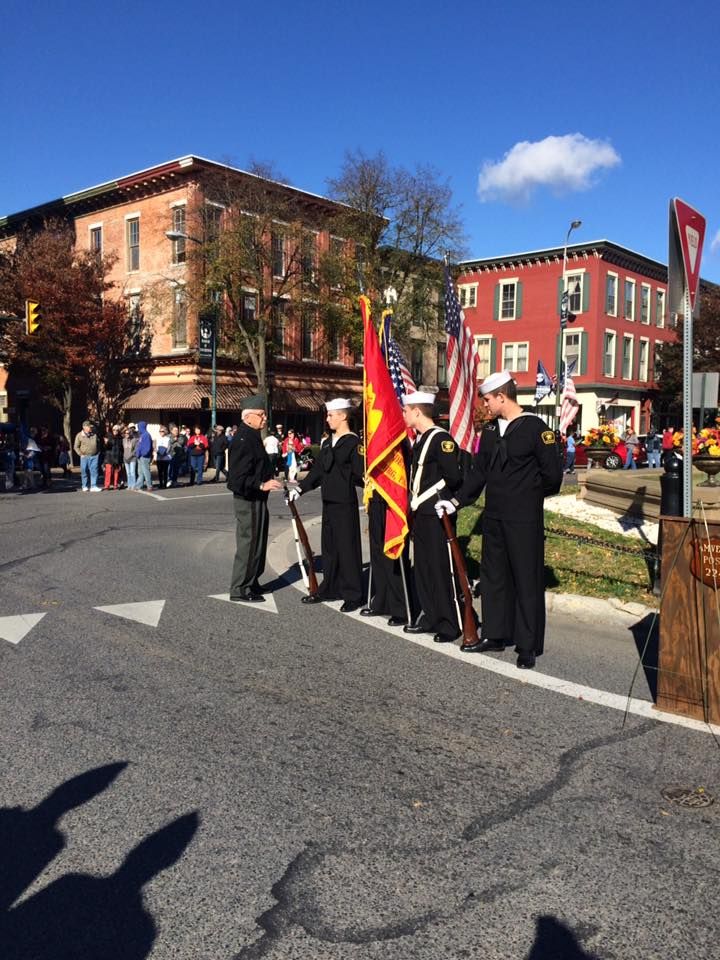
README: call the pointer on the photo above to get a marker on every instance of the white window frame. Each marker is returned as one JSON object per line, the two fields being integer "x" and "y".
{"x": 571, "y": 278}
{"x": 660, "y": 296}
{"x": 483, "y": 338}
{"x": 467, "y": 295}
{"x": 575, "y": 332}
{"x": 644, "y": 375}
{"x": 645, "y": 287}
{"x": 612, "y": 333}
{"x": 514, "y": 345}
{"x": 135, "y": 218}
{"x": 96, "y": 226}
{"x": 627, "y": 338}
{"x": 614, "y": 277}
{"x": 630, "y": 280}
{"x": 508, "y": 282}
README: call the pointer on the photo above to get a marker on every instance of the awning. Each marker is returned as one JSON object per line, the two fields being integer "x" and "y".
{"x": 187, "y": 396}
{"x": 311, "y": 400}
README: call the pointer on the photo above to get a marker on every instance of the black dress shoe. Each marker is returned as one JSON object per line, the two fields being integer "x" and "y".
{"x": 444, "y": 638}
{"x": 247, "y": 596}
{"x": 311, "y": 598}
{"x": 369, "y": 612}
{"x": 349, "y": 606}
{"x": 414, "y": 628}
{"x": 397, "y": 621}
{"x": 526, "y": 661}
{"x": 484, "y": 646}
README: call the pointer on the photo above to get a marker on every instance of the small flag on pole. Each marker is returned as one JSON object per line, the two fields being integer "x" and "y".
{"x": 399, "y": 374}
{"x": 462, "y": 363}
{"x": 544, "y": 383}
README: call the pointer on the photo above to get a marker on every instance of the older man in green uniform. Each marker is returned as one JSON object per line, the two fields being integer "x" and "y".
{"x": 250, "y": 477}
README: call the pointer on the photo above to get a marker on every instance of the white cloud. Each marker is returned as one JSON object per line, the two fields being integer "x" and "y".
{"x": 564, "y": 164}
{"x": 715, "y": 245}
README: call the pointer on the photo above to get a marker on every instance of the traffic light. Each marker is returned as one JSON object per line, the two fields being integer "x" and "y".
{"x": 33, "y": 316}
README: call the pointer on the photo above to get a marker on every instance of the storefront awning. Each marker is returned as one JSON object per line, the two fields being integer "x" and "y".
{"x": 186, "y": 396}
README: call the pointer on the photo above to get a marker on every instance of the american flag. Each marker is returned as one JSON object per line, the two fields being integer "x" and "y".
{"x": 399, "y": 373}
{"x": 462, "y": 363}
{"x": 569, "y": 408}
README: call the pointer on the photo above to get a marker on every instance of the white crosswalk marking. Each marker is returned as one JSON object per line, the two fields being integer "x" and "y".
{"x": 147, "y": 612}
{"x": 13, "y": 629}
{"x": 269, "y": 606}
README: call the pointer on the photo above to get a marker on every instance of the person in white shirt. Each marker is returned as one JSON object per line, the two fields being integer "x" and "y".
{"x": 272, "y": 449}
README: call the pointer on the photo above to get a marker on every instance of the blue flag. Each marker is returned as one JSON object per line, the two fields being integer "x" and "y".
{"x": 544, "y": 383}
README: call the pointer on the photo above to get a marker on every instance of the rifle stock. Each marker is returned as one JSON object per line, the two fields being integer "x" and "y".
{"x": 302, "y": 534}
{"x": 469, "y": 627}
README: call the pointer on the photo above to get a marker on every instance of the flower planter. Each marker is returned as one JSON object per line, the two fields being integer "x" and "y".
{"x": 597, "y": 455}
{"x": 710, "y": 466}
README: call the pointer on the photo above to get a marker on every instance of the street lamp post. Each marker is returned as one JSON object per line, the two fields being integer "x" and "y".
{"x": 208, "y": 324}
{"x": 564, "y": 310}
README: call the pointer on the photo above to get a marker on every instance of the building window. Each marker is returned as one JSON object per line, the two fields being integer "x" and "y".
{"x": 508, "y": 298}
{"x": 609, "y": 347}
{"x": 571, "y": 352}
{"x": 629, "y": 300}
{"x": 627, "y": 359}
{"x": 306, "y": 339}
{"x": 278, "y": 255}
{"x": 515, "y": 357}
{"x": 611, "y": 289}
{"x": 467, "y": 295}
{"x": 308, "y": 264}
{"x": 643, "y": 359}
{"x": 179, "y": 330}
{"x": 96, "y": 239}
{"x": 644, "y": 303}
{"x": 335, "y": 346}
{"x": 212, "y": 218}
{"x": 178, "y": 226}
{"x": 279, "y": 324}
{"x": 660, "y": 308}
{"x": 483, "y": 345}
{"x": 442, "y": 364}
{"x": 574, "y": 288}
{"x": 337, "y": 246}
{"x": 416, "y": 362}
{"x": 133, "y": 243}
{"x": 249, "y": 310}
{"x": 657, "y": 358}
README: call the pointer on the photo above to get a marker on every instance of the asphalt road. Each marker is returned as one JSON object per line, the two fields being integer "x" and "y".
{"x": 226, "y": 781}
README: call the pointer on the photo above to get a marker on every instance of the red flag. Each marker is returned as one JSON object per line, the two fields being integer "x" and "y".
{"x": 384, "y": 434}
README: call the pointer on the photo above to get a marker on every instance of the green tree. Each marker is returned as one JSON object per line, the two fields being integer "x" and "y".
{"x": 706, "y": 346}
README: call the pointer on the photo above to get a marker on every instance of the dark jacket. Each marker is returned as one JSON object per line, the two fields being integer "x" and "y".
{"x": 114, "y": 453}
{"x": 517, "y": 471}
{"x": 441, "y": 465}
{"x": 219, "y": 445}
{"x": 337, "y": 470}
{"x": 249, "y": 465}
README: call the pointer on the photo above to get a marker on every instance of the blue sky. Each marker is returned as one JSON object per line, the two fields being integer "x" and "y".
{"x": 616, "y": 104}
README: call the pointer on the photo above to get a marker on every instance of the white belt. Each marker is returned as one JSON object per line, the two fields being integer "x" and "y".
{"x": 426, "y": 494}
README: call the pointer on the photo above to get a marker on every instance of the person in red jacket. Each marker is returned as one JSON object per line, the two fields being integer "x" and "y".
{"x": 291, "y": 449}
{"x": 197, "y": 447}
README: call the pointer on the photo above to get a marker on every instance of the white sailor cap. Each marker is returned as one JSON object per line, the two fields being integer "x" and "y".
{"x": 417, "y": 398}
{"x": 494, "y": 381}
{"x": 340, "y": 404}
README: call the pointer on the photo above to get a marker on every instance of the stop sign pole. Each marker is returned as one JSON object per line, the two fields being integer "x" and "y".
{"x": 687, "y": 233}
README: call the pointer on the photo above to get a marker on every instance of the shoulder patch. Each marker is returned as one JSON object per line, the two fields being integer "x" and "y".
{"x": 361, "y": 449}
{"x": 448, "y": 446}
{"x": 548, "y": 436}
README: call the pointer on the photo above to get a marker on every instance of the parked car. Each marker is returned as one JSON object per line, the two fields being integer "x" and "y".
{"x": 616, "y": 459}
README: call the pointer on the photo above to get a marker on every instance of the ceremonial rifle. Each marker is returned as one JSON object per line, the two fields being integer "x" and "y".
{"x": 301, "y": 533}
{"x": 469, "y": 626}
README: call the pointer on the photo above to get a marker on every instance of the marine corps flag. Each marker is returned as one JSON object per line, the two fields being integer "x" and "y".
{"x": 384, "y": 434}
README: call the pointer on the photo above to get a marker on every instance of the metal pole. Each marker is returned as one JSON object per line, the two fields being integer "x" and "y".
{"x": 687, "y": 406}
{"x": 213, "y": 381}
{"x": 558, "y": 358}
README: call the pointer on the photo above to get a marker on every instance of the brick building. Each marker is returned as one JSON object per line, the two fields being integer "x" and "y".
{"x": 130, "y": 217}
{"x": 618, "y": 297}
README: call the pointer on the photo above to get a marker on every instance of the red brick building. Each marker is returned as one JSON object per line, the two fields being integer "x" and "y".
{"x": 618, "y": 297}
{"x": 130, "y": 217}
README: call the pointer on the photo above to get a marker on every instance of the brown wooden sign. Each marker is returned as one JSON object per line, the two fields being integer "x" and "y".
{"x": 705, "y": 562}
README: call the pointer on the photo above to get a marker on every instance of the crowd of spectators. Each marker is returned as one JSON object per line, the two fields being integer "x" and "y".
{"x": 123, "y": 455}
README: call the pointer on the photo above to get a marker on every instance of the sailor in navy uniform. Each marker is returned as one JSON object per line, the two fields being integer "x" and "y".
{"x": 338, "y": 470}
{"x": 435, "y": 472}
{"x": 518, "y": 464}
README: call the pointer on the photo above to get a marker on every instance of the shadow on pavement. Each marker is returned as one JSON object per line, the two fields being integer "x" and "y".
{"x": 646, "y": 634}
{"x": 80, "y": 915}
{"x": 555, "y": 941}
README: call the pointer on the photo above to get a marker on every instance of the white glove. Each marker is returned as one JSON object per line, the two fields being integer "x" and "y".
{"x": 294, "y": 494}
{"x": 445, "y": 506}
